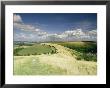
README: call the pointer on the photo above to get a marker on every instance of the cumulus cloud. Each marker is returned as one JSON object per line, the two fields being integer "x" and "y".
{"x": 24, "y": 27}
{"x": 19, "y": 24}
{"x": 37, "y": 29}
{"x": 17, "y": 18}
{"x": 70, "y": 35}
{"x": 25, "y": 37}
{"x": 79, "y": 34}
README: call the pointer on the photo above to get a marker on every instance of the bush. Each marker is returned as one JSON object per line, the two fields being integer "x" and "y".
{"x": 17, "y": 50}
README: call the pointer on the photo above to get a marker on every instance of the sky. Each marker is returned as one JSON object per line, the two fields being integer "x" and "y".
{"x": 55, "y": 26}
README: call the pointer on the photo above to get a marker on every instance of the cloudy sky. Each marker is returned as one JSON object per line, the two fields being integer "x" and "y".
{"x": 55, "y": 26}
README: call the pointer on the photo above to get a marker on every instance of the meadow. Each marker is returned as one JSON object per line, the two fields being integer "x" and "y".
{"x": 58, "y": 58}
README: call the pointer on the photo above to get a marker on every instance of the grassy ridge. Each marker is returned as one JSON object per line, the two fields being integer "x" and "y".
{"x": 83, "y": 50}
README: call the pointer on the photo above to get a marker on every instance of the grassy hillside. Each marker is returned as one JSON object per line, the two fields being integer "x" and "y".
{"x": 83, "y": 50}
{"x": 36, "y": 49}
{"x": 84, "y": 47}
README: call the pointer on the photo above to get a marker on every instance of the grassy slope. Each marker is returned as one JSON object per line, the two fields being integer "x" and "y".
{"x": 83, "y": 50}
{"x": 80, "y": 46}
{"x": 53, "y": 64}
{"x": 36, "y": 49}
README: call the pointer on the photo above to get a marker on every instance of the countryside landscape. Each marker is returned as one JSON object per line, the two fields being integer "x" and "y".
{"x": 55, "y": 44}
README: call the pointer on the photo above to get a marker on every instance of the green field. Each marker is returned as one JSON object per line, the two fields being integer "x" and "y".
{"x": 60, "y": 58}
{"x": 36, "y": 49}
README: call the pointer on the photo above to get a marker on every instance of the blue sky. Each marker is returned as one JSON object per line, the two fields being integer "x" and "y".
{"x": 53, "y": 23}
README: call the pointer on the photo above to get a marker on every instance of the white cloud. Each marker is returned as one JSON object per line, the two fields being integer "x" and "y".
{"x": 17, "y": 18}
{"x": 25, "y": 27}
{"x": 25, "y": 37}
{"x": 18, "y": 24}
{"x": 78, "y": 35}
{"x": 93, "y": 32}
{"x": 72, "y": 35}
{"x": 37, "y": 29}
{"x": 41, "y": 33}
{"x": 74, "y": 32}
{"x": 62, "y": 36}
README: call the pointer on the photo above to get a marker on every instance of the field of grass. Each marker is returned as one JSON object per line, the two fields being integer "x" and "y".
{"x": 26, "y": 65}
{"x": 55, "y": 59}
